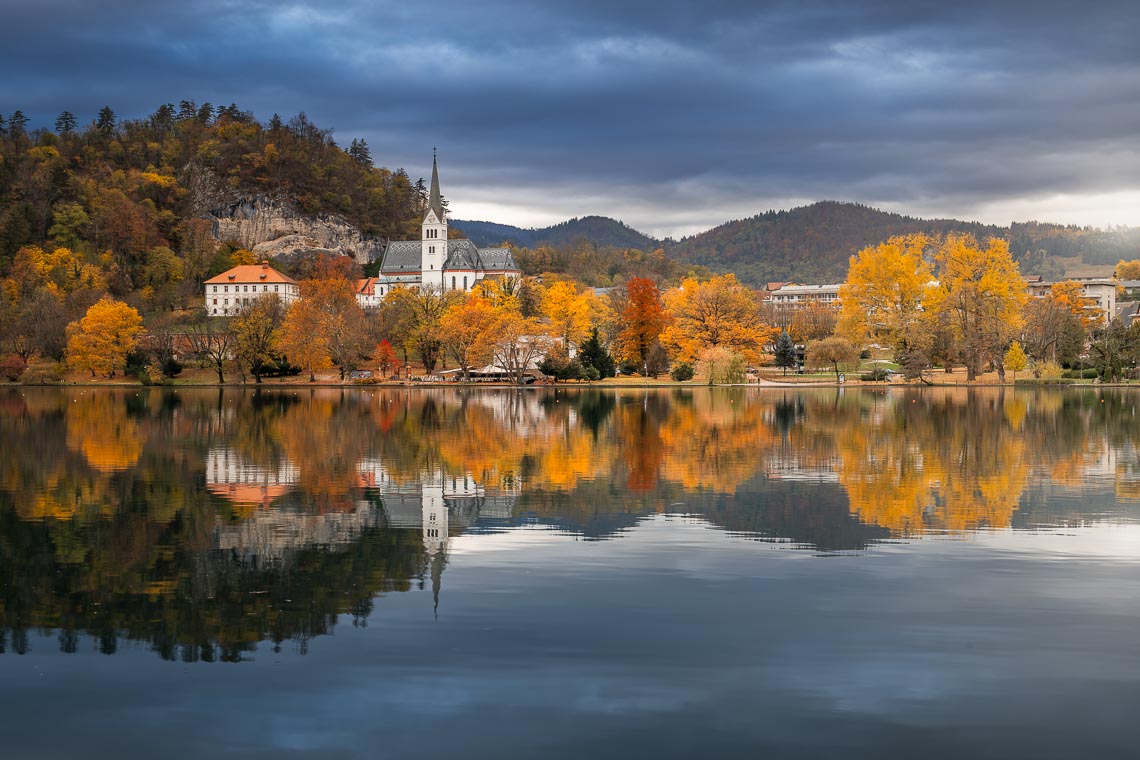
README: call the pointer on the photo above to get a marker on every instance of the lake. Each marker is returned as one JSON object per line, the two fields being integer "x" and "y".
{"x": 683, "y": 572}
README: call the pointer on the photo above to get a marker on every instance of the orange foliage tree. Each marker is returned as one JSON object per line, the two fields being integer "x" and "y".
{"x": 101, "y": 340}
{"x": 719, "y": 312}
{"x": 642, "y": 319}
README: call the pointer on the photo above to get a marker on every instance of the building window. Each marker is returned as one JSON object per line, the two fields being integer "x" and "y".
{"x": 215, "y": 302}
{"x": 275, "y": 288}
{"x": 453, "y": 282}
{"x": 465, "y": 282}
{"x": 265, "y": 288}
{"x": 215, "y": 288}
{"x": 225, "y": 288}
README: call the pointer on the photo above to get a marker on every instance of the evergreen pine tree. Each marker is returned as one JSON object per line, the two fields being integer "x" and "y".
{"x": 65, "y": 123}
{"x": 105, "y": 121}
{"x": 17, "y": 123}
{"x": 593, "y": 354}
{"x": 785, "y": 351}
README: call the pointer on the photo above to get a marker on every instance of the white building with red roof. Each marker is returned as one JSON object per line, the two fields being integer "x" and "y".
{"x": 368, "y": 294}
{"x": 229, "y": 291}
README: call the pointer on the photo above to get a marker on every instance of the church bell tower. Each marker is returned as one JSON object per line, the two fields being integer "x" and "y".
{"x": 434, "y": 235}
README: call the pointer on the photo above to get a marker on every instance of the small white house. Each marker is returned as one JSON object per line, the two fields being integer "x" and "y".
{"x": 229, "y": 291}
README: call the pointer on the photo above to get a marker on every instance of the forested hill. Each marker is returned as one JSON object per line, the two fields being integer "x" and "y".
{"x": 599, "y": 230}
{"x": 137, "y": 197}
{"x": 808, "y": 244}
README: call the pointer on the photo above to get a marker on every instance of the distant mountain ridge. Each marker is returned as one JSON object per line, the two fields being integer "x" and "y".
{"x": 814, "y": 243}
{"x": 599, "y": 230}
{"x": 810, "y": 243}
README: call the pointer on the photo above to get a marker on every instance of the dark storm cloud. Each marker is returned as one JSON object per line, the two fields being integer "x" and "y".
{"x": 669, "y": 113}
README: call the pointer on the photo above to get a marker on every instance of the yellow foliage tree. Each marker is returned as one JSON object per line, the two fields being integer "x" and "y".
{"x": 1128, "y": 270}
{"x": 980, "y": 294}
{"x": 568, "y": 311}
{"x": 718, "y": 312}
{"x": 882, "y": 298}
{"x": 101, "y": 340}
{"x": 304, "y": 339}
{"x": 1015, "y": 359}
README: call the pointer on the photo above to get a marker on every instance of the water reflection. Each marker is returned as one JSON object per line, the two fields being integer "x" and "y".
{"x": 204, "y": 522}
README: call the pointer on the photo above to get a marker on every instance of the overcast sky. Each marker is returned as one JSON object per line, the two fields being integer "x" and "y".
{"x": 672, "y": 116}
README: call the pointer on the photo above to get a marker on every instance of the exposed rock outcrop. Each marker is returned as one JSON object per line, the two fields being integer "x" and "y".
{"x": 272, "y": 227}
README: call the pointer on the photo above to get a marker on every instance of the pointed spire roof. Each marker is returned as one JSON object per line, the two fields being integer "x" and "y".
{"x": 434, "y": 202}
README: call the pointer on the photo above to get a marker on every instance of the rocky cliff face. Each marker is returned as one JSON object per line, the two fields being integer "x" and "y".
{"x": 272, "y": 228}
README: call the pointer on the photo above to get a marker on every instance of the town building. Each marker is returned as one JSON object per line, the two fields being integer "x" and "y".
{"x": 229, "y": 291}
{"x": 434, "y": 261}
{"x": 792, "y": 294}
{"x": 1099, "y": 294}
{"x": 368, "y": 293}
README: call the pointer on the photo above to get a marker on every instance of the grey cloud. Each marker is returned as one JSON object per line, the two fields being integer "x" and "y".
{"x": 636, "y": 103}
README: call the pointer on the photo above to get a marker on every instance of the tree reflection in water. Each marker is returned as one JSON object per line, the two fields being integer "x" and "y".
{"x": 204, "y": 522}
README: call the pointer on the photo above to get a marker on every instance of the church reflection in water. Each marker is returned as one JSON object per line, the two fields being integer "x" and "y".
{"x": 205, "y": 522}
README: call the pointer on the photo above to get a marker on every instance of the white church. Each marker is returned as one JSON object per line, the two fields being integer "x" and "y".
{"x": 436, "y": 262}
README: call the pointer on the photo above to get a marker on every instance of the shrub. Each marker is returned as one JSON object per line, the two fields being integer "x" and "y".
{"x": 1051, "y": 371}
{"x": 171, "y": 367}
{"x": 11, "y": 367}
{"x": 682, "y": 372}
{"x": 865, "y": 353}
{"x": 42, "y": 373}
{"x": 628, "y": 367}
{"x": 876, "y": 375}
{"x": 1078, "y": 374}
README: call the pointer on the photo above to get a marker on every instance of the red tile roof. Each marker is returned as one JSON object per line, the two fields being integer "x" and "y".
{"x": 247, "y": 273}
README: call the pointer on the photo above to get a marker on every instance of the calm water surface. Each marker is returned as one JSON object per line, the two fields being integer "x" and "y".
{"x": 498, "y": 573}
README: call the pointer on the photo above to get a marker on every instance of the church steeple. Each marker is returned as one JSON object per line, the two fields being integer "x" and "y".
{"x": 434, "y": 202}
{"x": 433, "y": 254}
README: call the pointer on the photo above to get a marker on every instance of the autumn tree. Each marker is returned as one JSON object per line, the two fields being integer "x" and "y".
{"x": 833, "y": 352}
{"x": 1070, "y": 295}
{"x": 1127, "y": 270}
{"x": 883, "y": 296}
{"x": 256, "y": 330}
{"x": 568, "y": 311}
{"x": 467, "y": 332}
{"x": 1015, "y": 359}
{"x": 642, "y": 319}
{"x": 520, "y": 342}
{"x": 981, "y": 293}
{"x": 304, "y": 337}
{"x": 342, "y": 321}
{"x": 1113, "y": 349}
{"x": 213, "y": 343}
{"x": 384, "y": 357}
{"x": 1052, "y": 331}
{"x": 814, "y": 320}
{"x": 101, "y": 340}
{"x": 717, "y": 312}
{"x": 419, "y": 312}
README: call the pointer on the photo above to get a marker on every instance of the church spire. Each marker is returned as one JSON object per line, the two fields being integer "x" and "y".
{"x": 434, "y": 201}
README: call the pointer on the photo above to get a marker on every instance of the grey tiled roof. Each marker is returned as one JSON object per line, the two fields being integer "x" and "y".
{"x": 404, "y": 256}
{"x": 401, "y": 255}
{"x": 497, "y": 259}
{"x": 461, "y": 254}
